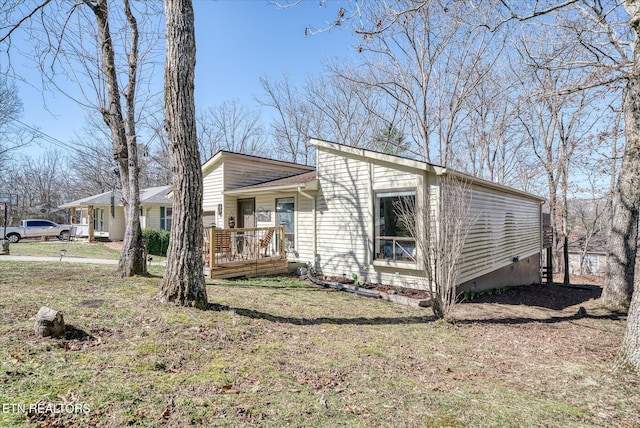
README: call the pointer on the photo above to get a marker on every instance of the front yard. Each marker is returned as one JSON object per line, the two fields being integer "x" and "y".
{"x": 281, "y": 352}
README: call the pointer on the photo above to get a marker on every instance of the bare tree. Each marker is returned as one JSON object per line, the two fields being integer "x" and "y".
{"x": 335, "y": 108}
{"x": 350, "y": 113}
{"x": 588, "y": 222}
{"x": 230, "y": 126}
{"x": 122, "y": 123}
{"x": 490, "y": 146}
{"x": 607, "y": 34}
{"x": 41, "y": 182}
{"x": 294, "y": 123}
{"x": 428, "y": 58}
{"x": 184, "y": 278}
{"x": 76, "y": 43}
{"x": 11, "y": 138}
{"x": 159, "y": 167}
{"x": 557, "y": 124}
{"x": 440, "y": 233}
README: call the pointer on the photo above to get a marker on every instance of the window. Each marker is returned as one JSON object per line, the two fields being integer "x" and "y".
{"x": 393, "y": 242}
{"x": 166, "y": 216}
{"x": 591, "y": 263}
{"x": 285, "y": 214}
{"x": 143, "y": 219}
{"x": 98, "y": 219}
{"x": 39, "y": 223}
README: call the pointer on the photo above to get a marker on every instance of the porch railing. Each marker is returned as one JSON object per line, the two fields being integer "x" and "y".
{"x": 231, "y": 246}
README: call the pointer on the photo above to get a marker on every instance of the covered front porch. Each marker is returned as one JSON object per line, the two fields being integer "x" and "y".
{"x": 245, "y": 252}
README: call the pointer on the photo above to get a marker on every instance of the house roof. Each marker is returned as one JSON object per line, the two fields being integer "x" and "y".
{"x": 149, "y": 196}
{"x": 306, "y": 180}
{"x": 209, "y": 164}
{"x": 419, "y": 165}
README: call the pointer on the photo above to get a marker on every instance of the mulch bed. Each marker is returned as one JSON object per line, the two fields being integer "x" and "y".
{"x": 555, "y": 296}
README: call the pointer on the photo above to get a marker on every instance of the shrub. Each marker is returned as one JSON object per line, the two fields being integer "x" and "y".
{"x": 157, "y": 241}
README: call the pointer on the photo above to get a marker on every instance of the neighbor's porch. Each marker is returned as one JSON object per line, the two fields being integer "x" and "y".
{"x": 248, "y": 252}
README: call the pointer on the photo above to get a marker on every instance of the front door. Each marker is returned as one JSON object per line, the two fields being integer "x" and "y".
{"x": 246, "y": 213}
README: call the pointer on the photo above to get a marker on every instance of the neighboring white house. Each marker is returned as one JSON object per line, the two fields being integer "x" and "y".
{"x": 591, "y": 260}
{"x": 595, "y": 262}
{"x": 334, "y": 216}
{"x": 102, "y": 216}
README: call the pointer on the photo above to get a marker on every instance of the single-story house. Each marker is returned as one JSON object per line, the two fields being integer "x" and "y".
{"x": 336, "y": 215}
{"x": 595, "y": 263}
{"x": 594, "y": 258}
{"x": 102, "y": 216}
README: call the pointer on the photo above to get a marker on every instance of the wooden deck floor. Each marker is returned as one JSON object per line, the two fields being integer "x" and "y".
{"x": 245, "y": 252}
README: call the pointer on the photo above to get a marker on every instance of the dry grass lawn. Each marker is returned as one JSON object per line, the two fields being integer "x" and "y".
{"x": 281, "y": 352}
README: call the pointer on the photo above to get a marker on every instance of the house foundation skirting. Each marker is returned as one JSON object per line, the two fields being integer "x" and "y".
{"x": 525, "y": 271}
{"x": 250, "y": 269}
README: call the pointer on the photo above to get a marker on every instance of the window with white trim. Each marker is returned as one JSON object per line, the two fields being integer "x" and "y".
{"x": 98, "y": 220}
{"x": 166, "y": 217}
{"x": 393, "y": 242}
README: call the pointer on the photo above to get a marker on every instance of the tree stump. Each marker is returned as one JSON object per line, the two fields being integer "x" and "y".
{"x": 49, "y": 322}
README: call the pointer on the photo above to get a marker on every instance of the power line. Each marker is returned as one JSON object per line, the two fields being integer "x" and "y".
{"x": 52, "y": 140}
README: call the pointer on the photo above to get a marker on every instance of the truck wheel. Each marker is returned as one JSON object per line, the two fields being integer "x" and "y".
{"x": 64, "y": 235}
{"x": 13, "y": 238}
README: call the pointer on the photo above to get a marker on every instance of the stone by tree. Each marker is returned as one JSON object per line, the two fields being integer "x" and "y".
{"x": 49, "y": 322}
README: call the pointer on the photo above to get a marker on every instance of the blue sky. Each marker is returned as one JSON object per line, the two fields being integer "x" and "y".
{"x": 238, "y": 41}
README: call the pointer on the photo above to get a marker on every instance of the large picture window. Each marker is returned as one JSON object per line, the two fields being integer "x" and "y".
{"x": 393, "y": 242}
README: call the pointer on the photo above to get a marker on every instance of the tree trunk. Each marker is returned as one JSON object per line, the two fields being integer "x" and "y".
{"x": 124, "y": 143}
{"x": 565, "y": 253}
{"x": 619, "y": 279}
{"x": 132, "y": 257}
{"x": 184, "y": 278}
{"x": 621, "y": 260}
{"x": 631, "y": 344}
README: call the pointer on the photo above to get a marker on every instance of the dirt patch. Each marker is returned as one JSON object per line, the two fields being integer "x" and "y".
{"x": 113, "y": 245}
{"x": 556, "y": 297}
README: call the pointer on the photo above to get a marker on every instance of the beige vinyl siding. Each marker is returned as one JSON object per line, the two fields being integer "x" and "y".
{"x": 343, "y": 219}
{"x": 230, "y": 208}
{"x": 507, "y": 222}
{"x": 240, "y": 172}
{"x": 116, "y": 225}
{"x": 388, "y": 177}
{"x": 506, "y": 226}
{"x": 152, "y": 217}
{"x": 212, "y": 189}
{"x": 266, "y": 204}
{"x": 304, "y": 229}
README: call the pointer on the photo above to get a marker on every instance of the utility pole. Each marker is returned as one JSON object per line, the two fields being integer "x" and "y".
{"x": 6, "y": 199}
